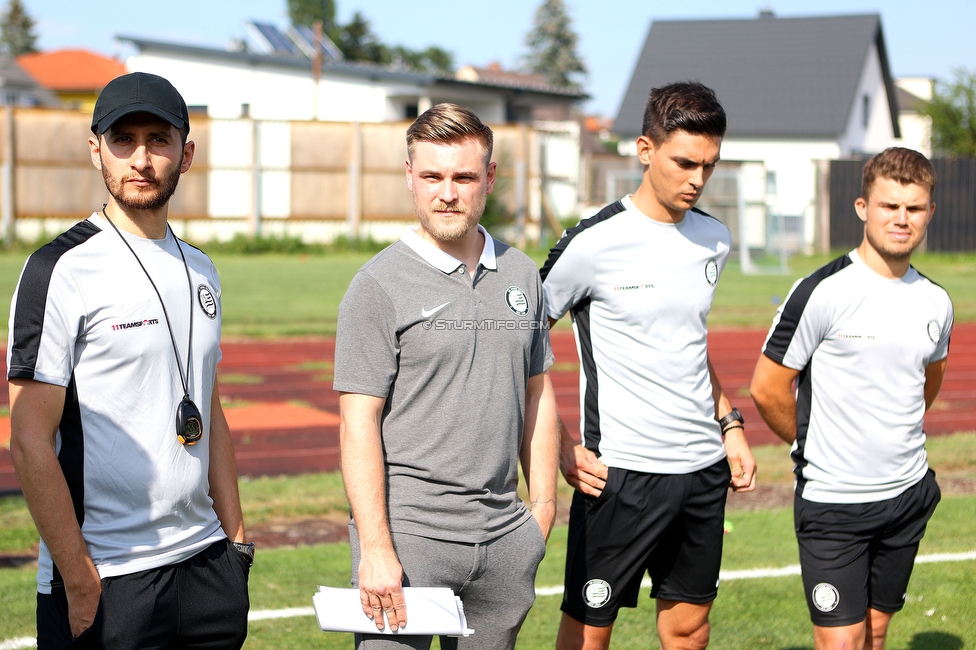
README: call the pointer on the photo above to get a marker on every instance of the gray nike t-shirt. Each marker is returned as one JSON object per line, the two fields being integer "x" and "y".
{"x": 452, "y": 356}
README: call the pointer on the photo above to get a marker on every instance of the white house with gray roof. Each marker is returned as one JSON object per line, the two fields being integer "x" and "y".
{"x": 281, "y": 86}
{"x": 796, "y": 91}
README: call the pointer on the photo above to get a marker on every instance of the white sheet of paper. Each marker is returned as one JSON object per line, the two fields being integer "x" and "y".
{"x": 430, "y": 610}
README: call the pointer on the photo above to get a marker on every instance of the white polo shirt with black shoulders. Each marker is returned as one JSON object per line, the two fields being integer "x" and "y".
{"x": 639, "y": 292}
{"x": 85, "y": 317}
{"x": 861, "y": 343}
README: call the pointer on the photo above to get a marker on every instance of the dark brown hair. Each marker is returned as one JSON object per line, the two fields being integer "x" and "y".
{"x": 684, "y": 106}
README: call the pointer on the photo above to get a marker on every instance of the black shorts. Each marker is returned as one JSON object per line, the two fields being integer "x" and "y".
{"x": 199, "y": 602}
{"x": 669, "y": 525}
{"x": 861, "y": 555}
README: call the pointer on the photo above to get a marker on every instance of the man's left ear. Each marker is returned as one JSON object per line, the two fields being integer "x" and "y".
{"x": 492, "y": 169}
{"x": 188, "y": 150}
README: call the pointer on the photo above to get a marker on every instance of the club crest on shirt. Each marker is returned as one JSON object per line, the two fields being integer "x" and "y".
{"x": 711, "y": 272}
{"x": 207, "y": 301}
{"x": 596, "y": 593}
{"x": 826, "y": 597}
{"x": 934, "y": 331}
{"x": 517, "y": 301}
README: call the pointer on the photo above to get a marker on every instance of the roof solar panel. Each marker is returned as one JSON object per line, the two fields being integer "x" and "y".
{"x": 275, "y": 40}
{"x": 304, "y": 38}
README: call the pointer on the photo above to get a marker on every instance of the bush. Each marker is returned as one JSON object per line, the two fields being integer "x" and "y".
{"x": 247, "y": 245}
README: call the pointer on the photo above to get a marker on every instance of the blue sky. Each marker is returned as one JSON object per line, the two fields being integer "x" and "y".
{"x": 923, "y": 38}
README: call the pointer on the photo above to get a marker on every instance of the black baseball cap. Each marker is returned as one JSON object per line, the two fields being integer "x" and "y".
{"x": 138, "y": 92}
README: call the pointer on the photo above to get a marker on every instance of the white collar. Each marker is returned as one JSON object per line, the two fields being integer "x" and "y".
{"x": 444, "y": 261}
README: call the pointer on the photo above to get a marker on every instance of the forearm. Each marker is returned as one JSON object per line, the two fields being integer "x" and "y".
{"x": 772, "y": 392}
{"x": 380, "y": 574}
{"x": 566, "y": 443}
{"x": 364, "y": 473}
{"x": 779, "y": 413}
{"x": 539, "y": 453}
{"x": 223, "y": 474}
{"x": 723, "y": 405}
{"x": 49, "y": 501}
{"x": 365, "y": 482}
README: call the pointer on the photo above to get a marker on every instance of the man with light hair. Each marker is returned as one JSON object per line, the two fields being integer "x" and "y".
{"x": 866, "y": 340}
{"x": 442, "y": 351}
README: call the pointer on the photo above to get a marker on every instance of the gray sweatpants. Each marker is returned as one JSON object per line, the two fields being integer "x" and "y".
{"x": 495, "y": 580}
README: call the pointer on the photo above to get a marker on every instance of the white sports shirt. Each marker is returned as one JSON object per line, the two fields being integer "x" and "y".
{"x": 861, "y": 343}
{"x": 639, "y": 292}
{"x": 85, "y": 317}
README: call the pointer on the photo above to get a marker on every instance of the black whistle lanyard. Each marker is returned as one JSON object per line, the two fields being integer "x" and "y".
{"x": 189, "y": 286}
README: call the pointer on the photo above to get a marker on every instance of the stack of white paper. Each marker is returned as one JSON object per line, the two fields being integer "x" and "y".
{"x": 430, "y": 610}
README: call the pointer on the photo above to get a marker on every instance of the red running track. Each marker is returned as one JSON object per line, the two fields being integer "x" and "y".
{"x": 299, "y": 371}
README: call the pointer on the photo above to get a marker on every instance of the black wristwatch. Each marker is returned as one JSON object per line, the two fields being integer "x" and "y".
{"x": 247, "y": 549}
{"x": 730, "y": 418}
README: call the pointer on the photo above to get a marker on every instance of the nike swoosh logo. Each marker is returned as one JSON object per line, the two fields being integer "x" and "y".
{"x": 427, "y": 313}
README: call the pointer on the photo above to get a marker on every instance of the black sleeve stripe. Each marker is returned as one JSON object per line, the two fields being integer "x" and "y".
{"x": 613, "y": 209}
{"x": 71, "y": 456}
{"x": 32, "y": 298}
{"x": 591, "y": 433}
{"x": 705, "y": 214}
{"x": 782, "y": 336}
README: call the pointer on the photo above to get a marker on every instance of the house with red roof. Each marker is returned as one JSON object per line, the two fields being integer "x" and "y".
{"x": 75, "y": 76}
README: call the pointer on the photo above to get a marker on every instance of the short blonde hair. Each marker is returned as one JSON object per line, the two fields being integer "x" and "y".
{"x": 449, "y": 124}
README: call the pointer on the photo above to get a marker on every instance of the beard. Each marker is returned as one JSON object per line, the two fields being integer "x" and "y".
{"x": 455, "y": 229}
{"x": 150, "y": 199}
{"x": 892, "y": 252}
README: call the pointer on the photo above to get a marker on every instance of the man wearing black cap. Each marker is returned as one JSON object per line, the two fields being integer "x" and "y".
{"x": 117, "y": 434}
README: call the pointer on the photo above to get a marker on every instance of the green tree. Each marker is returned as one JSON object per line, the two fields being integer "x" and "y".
{"x": 306, "y": 12}
{"x": 953, "y": 113}
{"x": 433, "y": 59}
{"x": 17, "y": 30}
{"x": 552, "y": 46}
{"x": 357, "y": 41}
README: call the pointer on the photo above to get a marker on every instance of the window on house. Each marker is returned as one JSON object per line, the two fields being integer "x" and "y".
{"x": 866, "y": 105}
{"x": 771, "y": 183}
{"x": 411, "y": 111}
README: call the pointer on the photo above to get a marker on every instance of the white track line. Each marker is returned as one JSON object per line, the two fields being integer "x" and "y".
{"x": 17, "y": 644}
{"x": 747, "y": 574}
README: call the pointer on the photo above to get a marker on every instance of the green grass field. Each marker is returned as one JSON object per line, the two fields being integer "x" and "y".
{"x": 757, "y": 613}
{"x": 760, "y": 613}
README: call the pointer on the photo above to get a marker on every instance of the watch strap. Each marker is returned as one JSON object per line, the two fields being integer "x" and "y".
{"x": 732, "y": 416}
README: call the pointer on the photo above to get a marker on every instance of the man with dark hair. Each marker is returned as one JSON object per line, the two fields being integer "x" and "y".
{"x": 114, "y": 330}
{"x": 658, "y": 433}
{"x": 442, "y": 351}
{"x": 866, "y": 339}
